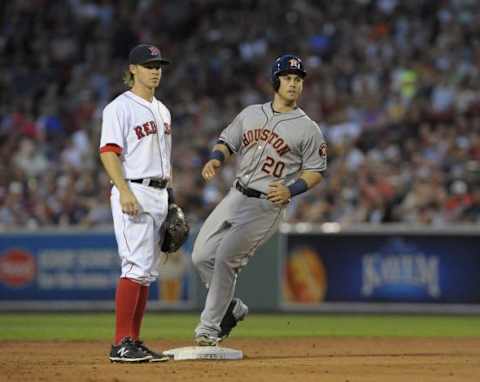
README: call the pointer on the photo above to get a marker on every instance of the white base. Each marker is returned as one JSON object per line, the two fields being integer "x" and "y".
{"x": 203, "y": 352}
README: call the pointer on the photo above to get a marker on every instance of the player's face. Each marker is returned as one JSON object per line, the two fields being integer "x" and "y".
{"x": 291, "y": 87}
{"x": 149, "y": 75}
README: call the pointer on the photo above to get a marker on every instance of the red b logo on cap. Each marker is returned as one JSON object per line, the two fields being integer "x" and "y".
{"x": 154, "y": 51}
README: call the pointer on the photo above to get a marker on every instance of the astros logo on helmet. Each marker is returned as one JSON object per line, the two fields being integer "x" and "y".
{"x": 288, "y": 63}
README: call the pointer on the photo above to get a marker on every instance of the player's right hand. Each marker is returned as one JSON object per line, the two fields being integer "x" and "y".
{"x": 210, "y": 169}
{"x": 129, "y": 203}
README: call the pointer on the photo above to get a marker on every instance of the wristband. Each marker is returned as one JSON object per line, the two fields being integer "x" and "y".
{"x": 171, "y": 198}
{"x": 218, "y": 155}
{"x": 299, "y": 187}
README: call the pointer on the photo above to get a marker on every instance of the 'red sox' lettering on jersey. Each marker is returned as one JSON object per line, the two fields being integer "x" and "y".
{"x": 145, "y": 129}
{"x": 272, "y": 138}
{"x": 127, "y": 121}
{"x": 136, "y": 152}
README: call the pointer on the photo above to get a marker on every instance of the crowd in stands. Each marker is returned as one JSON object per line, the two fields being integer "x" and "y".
{"x": 393, "y": 84}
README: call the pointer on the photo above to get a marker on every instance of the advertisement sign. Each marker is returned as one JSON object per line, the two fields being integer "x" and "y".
{"x": 69, "y": 268}
{"x": 380, "y": 268}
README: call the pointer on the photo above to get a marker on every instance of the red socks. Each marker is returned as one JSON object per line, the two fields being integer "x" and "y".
{"x": 139, "y": 311}
{"x": 130, "y": 302}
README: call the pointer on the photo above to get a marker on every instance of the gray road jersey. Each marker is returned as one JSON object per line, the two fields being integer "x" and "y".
{"x": 274, "y": 146}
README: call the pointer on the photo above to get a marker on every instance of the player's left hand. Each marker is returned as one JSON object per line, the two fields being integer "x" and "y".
{"x": 278, "y": 194}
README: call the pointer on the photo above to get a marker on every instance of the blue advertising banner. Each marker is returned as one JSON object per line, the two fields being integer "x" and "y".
{"x": 79, "y": 267}
{"x": 381, "y": 268}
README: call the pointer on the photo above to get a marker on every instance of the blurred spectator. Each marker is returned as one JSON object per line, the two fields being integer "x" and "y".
{"x": 393, "y": 85}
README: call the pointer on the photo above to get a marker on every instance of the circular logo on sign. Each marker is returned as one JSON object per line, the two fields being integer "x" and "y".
{"x": 17, "y": 268}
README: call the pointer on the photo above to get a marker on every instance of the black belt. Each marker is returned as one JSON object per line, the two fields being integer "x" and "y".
{"x": 250, "y": 192}
{"x": 155, "y": 183}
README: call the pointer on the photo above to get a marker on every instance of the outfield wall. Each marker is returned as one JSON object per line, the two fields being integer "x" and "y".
{"x": 304, "y": 268}
{"x": 78, "y": 270}
{"x": 379, "y": 269}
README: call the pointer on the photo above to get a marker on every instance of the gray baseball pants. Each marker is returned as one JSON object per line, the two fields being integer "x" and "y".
{"x": 226, "y": 241}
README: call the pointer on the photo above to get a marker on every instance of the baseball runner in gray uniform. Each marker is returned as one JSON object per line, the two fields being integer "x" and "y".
{"x": 282, "y": 153}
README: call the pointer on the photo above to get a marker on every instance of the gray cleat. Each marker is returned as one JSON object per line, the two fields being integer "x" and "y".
{"x": 206, "y": 340}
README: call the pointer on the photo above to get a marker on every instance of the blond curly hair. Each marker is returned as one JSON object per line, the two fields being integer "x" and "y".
{"x": 128, "y": 78}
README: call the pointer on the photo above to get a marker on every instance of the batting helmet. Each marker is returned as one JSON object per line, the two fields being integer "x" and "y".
{"x": 287, "y": 63}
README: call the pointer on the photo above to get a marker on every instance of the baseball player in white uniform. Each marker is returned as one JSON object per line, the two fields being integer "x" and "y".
{"x": 135, "y": 149}
{"x": 281, "y": 154}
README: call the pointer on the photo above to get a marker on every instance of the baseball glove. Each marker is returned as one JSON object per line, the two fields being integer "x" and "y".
{"x": 176, "y": 229}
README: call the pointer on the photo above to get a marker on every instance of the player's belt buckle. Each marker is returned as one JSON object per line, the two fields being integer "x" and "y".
{"x": 155, "y": 183}
{"x": 158, "y": 183}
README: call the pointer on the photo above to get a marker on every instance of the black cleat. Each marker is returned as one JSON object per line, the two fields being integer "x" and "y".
{"x": 127, "y": 351}
{"x": 156, "y": 357}
{"x": 236, "y": 311}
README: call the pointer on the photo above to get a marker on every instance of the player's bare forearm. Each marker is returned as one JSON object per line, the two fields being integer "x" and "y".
{"x": 211, "y": 168}
{"x": 312, "y": 178}
{"x": 224, "y": 149}
{"x": 279, "y": 194}
{"x": 112, "y": 165}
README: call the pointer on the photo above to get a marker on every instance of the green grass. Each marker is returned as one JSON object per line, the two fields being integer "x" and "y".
{"x": 58, "y": 326}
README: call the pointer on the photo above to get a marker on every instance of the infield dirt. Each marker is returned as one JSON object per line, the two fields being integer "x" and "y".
{"x": 293, "y": 360}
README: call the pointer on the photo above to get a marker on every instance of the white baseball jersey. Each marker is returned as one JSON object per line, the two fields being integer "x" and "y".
{"x": 142, "y": 131}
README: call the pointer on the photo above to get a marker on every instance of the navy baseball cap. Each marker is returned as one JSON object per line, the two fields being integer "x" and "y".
{"x": 145, "y": 53}
{"x": 288, "y": 63}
